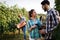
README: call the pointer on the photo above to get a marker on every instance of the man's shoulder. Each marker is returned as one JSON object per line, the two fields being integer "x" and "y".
{"x": 52, "y": 9}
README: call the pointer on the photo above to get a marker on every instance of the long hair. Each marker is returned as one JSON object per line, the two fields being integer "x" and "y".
{"x": 30, "y": 13}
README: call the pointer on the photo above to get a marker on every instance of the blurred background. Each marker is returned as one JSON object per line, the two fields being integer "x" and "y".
{"x": 9, "y": 10}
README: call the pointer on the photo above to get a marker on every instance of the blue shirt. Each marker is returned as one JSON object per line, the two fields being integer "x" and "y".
{"x": 35, "y": 32}
{"x": 22, "y": 19}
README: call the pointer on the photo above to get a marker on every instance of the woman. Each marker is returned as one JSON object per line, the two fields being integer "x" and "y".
{"x": 33, "y": 25}
{"x": 22, "y": 24}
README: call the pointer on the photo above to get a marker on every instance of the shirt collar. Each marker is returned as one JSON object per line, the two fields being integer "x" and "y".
{"x": 49, "y": 9}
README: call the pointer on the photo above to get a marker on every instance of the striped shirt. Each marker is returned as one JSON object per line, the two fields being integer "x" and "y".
{"x": 51, "y": 20}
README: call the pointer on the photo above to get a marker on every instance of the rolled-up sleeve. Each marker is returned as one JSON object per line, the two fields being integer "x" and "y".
{"x": 54, "y": 18}
{"x": 28, "y": 26}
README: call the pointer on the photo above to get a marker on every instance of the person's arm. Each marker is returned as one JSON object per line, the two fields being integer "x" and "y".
{"x": 58, "y": 16}
{"x": 54, "y": 18}
{"x": 30, "y": 28}
{"x": 23, "y": 20}
{"x": 28, "y": 25}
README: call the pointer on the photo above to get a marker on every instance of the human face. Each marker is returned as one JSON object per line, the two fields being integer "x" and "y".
{"x": 45, "y": 7}
{"x": 34, "y": 14}
{"x": 20, "y": 15}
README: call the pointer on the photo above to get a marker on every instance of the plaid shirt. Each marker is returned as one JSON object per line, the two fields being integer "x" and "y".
{"x": 51, "y": 20}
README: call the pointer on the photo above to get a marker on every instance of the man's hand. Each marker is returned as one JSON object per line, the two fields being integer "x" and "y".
{"x": 42, "y": 31}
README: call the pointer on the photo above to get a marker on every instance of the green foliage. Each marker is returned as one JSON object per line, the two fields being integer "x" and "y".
{"x": 57, "y": 2}
{"x": 9, "y": 17}
{"x": 56, "y": 34}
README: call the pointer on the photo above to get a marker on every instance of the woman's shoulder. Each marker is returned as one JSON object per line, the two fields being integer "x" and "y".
{"x": 29, "y": 20}
{"x": 38, "y": 19}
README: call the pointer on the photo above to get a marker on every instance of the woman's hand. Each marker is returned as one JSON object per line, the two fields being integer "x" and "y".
{"x": 32, "y": 27}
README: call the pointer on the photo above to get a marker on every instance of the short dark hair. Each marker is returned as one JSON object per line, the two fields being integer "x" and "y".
{"x": 45, "y": 2}
{"x": 30, "y": 12}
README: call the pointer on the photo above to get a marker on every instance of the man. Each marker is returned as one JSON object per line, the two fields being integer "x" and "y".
{"x": 51, "y": 19}
{"x": 22, "y": 25}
